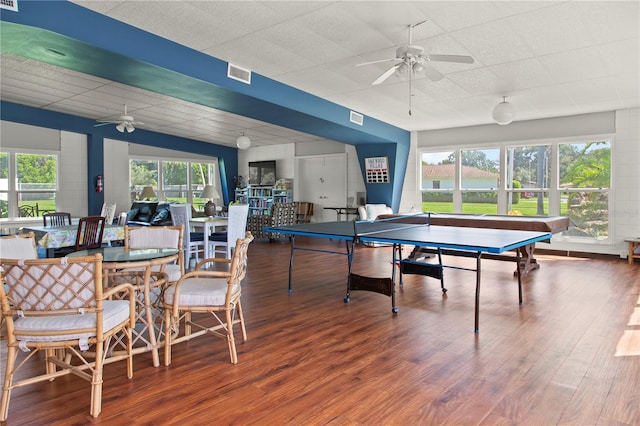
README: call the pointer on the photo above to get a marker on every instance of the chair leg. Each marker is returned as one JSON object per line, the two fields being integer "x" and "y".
{"x": 12, "y": 354}
{"x": 129, "y": 332}
{"x": 241, "y": 318}
{"x": 167, "y": 337}
{"x": 96, "y": 382}
{"x": 230, "y": 339}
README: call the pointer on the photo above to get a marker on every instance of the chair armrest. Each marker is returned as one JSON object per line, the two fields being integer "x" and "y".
{"x": 211, "y": 260}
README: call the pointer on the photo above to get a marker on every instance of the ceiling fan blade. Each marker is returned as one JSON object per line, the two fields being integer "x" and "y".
{"x": 463, "y": 59}
{"x": 385, "y": 75}
{"x": 104, "y": 123}
{"x": 432, "y": 73}
{"x": 377, "y": 62}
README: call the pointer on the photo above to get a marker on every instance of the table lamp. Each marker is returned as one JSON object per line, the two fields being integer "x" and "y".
{"x": 211, "y": 193}
{"x": 148, "y": 193}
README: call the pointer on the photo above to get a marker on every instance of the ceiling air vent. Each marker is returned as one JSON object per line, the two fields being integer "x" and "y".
{"x": 356, "y": 118}
{"x": 237, "y": 73}
{"x": 9, "y": 5}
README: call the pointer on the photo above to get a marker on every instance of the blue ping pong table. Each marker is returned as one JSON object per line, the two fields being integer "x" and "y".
{"x": 470, "y": 242}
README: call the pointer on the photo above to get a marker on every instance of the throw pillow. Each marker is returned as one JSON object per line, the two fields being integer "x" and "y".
{"x": 160, "y": 215}
{"x": 131, "y": 214}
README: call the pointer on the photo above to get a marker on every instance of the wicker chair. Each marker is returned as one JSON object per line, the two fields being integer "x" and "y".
{"x": 142, "y": 237}
{"x": 208, "y": 291}
{"x": 58, "y": 306}
{"x": 282, "y": 214}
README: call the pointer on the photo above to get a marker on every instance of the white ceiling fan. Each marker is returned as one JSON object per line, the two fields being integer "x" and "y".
{"x": 411, "y": 61}
{"x": 124, "y": 123}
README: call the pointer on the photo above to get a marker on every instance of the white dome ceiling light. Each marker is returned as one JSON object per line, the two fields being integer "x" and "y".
{"x": 504, "y": 112}
{"x": 243, "y": 142}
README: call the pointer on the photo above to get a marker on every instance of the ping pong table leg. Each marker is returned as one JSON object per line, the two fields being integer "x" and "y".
{"x": 292, "y": 243}
{"x": 397, "y": 258}
{"x": 477, "y": 312}
{"x": 519, "y": 272}
{"x": 350, "y": 247}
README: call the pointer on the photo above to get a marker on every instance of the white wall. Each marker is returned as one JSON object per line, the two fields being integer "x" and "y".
{"x": 72, "y": 159}
{"x": 624, "y": 125}
{"x": 284, "y": 154}
{"x": 116, "y": 174}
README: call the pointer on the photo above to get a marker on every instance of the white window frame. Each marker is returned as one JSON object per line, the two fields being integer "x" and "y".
{"x": 215, "y": 176}
{"x": 12, "y": 180}
{"x": 554, "y": 190}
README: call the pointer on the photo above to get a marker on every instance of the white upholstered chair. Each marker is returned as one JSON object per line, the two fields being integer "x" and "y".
{"x": 225, "y": 242}
{"x": 192, "y": 242}
{"x": 108, "y": 212}
{"x": 372, "y": 211}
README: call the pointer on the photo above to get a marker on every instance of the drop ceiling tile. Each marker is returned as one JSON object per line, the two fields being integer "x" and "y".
{"x": 455, "y": 15}
{"x": 575, "y": 65}
{"x": 609, "y": 21}
{"x": 523, "y": 74}
{"x": 494, "y": 42}
{"x": 621, "y": 57}
{"x": 552, "y": 29}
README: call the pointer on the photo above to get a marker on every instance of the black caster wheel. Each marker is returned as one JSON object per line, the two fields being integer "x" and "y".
{"x": 346, "y": 300}
{"x": 394, "y": 310}
{"x": 444, "y": 290}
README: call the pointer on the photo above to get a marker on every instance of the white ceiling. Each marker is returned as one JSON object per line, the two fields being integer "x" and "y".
{"x": 549, "y": 59}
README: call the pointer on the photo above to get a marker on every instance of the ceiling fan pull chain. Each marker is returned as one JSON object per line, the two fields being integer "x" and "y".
{"x": 410, "y": 90}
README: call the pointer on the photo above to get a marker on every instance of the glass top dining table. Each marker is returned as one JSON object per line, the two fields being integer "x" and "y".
{"x": 121, "y": 254}
{"x": 145, "y": 269}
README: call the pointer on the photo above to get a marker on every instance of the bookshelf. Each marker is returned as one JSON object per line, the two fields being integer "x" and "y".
{"x": 261, "y": 197}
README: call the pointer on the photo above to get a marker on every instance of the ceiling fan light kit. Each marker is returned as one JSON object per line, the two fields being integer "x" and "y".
{"x": 124, "y": 123}
{"x": 411, "y": 60}
{"x": 243, "y": 142}
{"x": 504, "y": 112}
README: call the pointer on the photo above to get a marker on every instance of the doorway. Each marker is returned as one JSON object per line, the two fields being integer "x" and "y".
{"x": 322, "y": 180}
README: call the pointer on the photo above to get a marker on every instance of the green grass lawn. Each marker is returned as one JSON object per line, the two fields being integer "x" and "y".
{"x": 526, "y": 206}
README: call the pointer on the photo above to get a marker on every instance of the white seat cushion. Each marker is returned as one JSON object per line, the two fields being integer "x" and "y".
{"x": 199, "y": 292}
{"x": 115, "y": 311}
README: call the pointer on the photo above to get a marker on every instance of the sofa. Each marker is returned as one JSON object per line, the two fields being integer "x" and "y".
{"x": 149, "y": 213}
{"x": 372, "y": 211}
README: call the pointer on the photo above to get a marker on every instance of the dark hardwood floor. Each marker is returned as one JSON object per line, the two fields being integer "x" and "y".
{"x": 313, "y": 360}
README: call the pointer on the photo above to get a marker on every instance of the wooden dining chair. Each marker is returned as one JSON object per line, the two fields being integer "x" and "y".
{"x": 57, "y": 306}
{"x": 56, "y": 219}
{"x": 90, "y": 230}
{"x": 207, "y": 291}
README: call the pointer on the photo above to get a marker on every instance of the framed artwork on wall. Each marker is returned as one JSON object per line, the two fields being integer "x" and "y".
{"x": 377, "y": 169}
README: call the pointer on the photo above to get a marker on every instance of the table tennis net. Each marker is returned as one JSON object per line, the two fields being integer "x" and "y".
{"x": 363, "y": 228}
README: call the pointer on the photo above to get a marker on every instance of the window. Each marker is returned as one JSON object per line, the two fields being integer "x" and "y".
{"x": 174, "y": 180}
{"x": 557, "y": 178}
{"x": 585, "y": 179}
{"x": 528, "y": 180}
{"x": 438, "y": 179}
{"x": 28, "y": 184}
{"x": 480, "y": 171}
{"x": 181, "y": 181}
